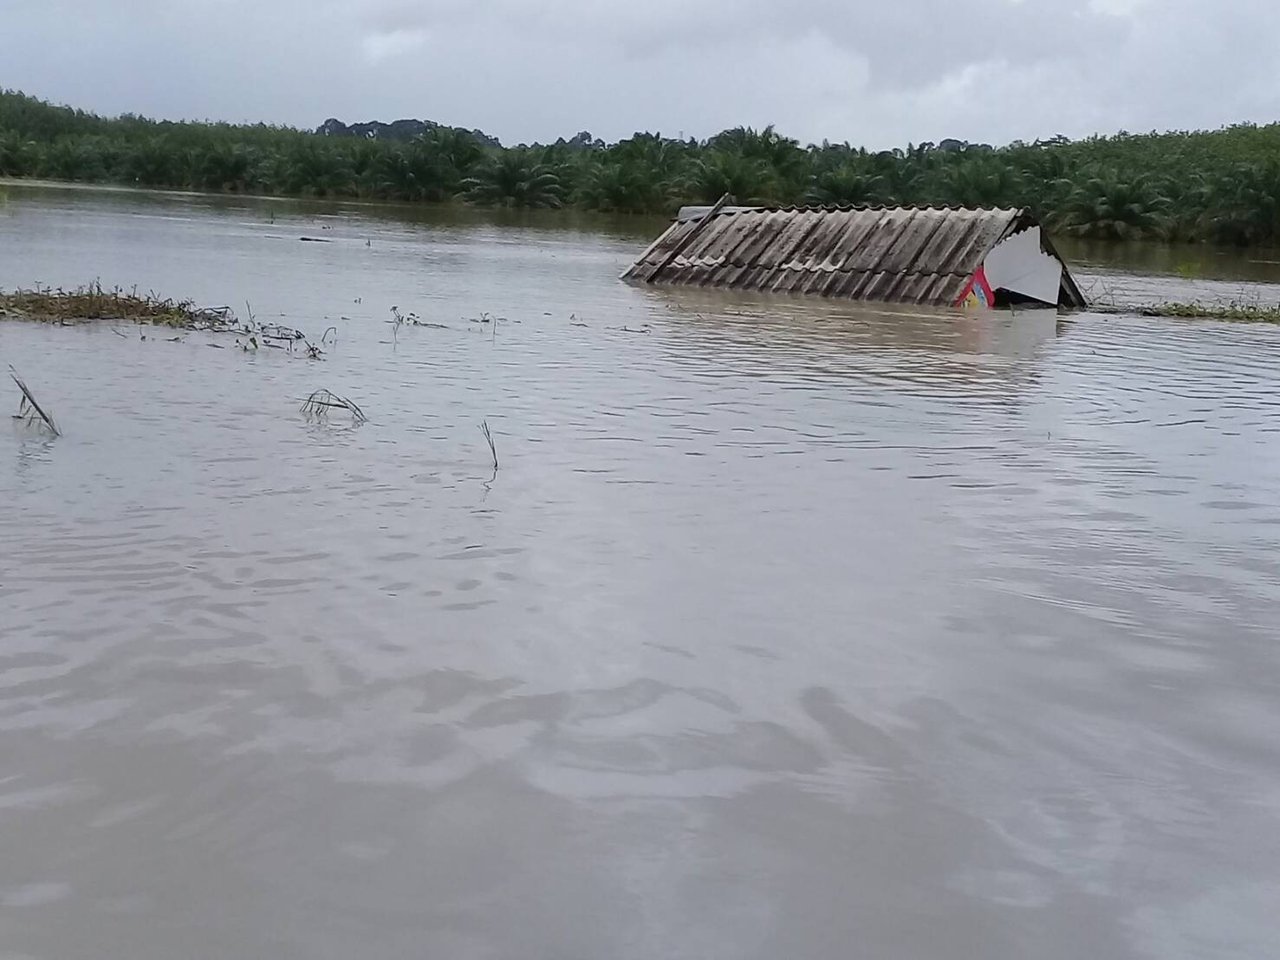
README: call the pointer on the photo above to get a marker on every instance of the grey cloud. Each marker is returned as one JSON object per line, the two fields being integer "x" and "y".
{"x": 876, "y": 73}
{"x": 908, "y": 43}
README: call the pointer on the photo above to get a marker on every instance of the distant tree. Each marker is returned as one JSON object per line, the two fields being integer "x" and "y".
{"x": 17, "y": 155}
{"x": 978, "y": 181}
{"x": 513, "y": 179}
{"x": 1110, "y": 206}
{"x": 849, "y": 184}
{"x": 1221, "y": 185}
{"x": 1244, "y": 205}
{"x": 746, "y": 179}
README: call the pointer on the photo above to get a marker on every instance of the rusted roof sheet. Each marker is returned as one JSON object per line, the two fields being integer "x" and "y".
{"x": 905, "y": 255}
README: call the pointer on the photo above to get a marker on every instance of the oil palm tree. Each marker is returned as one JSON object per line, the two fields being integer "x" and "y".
{"x": 978, "y": 181}
{"x": 514, "y": 179}
{"x": 1110, "y": 206}
{"x": 226, "y": 166}
{"x": 150, "y": 163}
{"x": 457, "y": 154}
{"x": 746, "y": 179}
{"x": 17, "y": 155}
{"x": 1245, "y": 204}
{"x": 787, "y": 163}
{"x": 623, "y": 186}
{"x": 411, "y": 173}
{"x": 845, "y": 185}
{"x": 72, "y": 159}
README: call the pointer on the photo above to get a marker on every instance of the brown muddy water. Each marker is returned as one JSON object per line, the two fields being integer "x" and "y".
{"x": 785, "y": 630}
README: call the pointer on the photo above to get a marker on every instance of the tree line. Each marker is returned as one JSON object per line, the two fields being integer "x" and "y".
{"x": 1221, "y": 186}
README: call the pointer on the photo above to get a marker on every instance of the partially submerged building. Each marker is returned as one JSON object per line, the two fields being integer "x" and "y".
{"x": 919, "y": 255}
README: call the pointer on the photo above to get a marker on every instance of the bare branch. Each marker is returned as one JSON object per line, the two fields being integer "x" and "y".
{"x": 28, "y": 401}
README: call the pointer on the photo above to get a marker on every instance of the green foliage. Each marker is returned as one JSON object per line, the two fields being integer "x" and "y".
{"x": 514, "y": 178}
{"x": 849, "y": 184}
{"x": 747, "y": 179}
{"x": 1247, "y": 204}
{"x": 1222, "y": 185}
{"x": 1111, "y": 206}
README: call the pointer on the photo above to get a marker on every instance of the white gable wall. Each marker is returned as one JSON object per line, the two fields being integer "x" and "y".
{"x": 1018, "y": 265}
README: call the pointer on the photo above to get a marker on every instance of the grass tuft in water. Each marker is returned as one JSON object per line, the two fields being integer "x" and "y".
{"x": 94, "y": 302}
{"x": 1233, "y": 310}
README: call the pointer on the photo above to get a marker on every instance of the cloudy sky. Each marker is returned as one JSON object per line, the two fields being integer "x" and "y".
{"x": 876, "y": 73}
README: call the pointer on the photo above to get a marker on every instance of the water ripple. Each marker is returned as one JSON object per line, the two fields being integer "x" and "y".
{"x": 781, "y": 626}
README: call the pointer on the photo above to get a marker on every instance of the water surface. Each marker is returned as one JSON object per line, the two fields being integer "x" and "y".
{"x": 785, "y": 629}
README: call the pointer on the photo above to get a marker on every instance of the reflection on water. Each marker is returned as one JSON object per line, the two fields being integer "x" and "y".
{"x": 1143, "y": 273}
{"x": 785, "y": 626}
{"x": 1189, "y": 260}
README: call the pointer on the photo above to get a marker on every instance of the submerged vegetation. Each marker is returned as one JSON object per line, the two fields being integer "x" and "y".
{"x": 1219, "y": 186}
{"x": 1250, "y": 312}
{"x": 93, "y": 302}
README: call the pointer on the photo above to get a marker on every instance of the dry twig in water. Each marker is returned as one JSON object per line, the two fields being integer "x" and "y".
{"x": 29, "y": 409}
{"x": 493, "y": 451}
{"x": 319, "y": 403}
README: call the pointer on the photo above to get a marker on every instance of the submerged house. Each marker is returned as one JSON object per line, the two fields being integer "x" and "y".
{"x": 917, "y": 255}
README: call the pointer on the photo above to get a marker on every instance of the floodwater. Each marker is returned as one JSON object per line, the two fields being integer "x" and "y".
{"x": 784, "y": 629}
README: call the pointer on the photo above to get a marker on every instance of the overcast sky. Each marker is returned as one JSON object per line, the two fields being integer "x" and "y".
{"x": 877, "y": 74}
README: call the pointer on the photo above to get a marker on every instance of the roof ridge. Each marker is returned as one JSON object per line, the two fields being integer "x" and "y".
{"x": 847, "y": 207}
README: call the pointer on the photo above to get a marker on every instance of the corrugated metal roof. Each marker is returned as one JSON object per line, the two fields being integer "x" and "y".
{"x": 907, "y": 255}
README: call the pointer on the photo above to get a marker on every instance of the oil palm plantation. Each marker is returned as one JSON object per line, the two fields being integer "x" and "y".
{"x": 1212, "y": 185}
